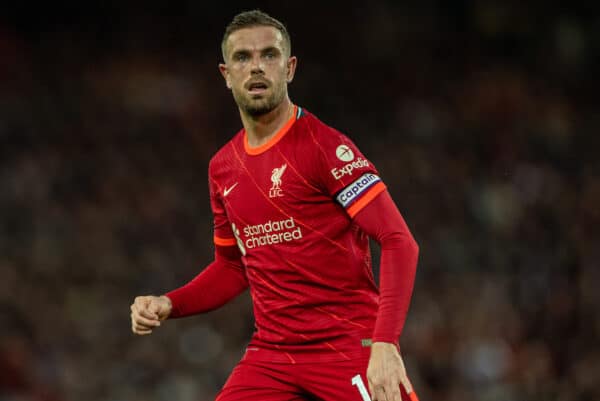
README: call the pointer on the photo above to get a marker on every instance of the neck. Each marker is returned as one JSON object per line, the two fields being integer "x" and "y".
{"x": 261, "y": 129}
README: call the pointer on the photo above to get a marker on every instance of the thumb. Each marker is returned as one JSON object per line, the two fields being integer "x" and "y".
{"x": 154, "y": 307}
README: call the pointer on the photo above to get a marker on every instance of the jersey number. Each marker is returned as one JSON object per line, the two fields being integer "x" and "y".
{"x": 358, "y": 382}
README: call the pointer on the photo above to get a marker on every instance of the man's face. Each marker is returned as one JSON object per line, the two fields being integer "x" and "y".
{"x": 257, "y": 68}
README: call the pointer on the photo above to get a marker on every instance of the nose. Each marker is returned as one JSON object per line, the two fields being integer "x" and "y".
{"x": 257, "y": 67}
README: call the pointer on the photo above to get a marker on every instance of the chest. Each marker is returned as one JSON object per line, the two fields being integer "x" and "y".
{"x": 270, "y": 187}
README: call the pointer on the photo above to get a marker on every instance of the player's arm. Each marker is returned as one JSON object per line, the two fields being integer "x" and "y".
{"x": 382, "y": 221}
{"x": 218, "y": 283}
{"x": 344, "y": 172}
{"x": 223, "y": 280}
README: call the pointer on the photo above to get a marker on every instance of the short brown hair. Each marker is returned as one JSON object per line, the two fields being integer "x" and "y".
{"x": 253, "y": 18}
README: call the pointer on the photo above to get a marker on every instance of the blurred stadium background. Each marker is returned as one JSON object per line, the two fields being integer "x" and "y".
{"x": 481, "y": 116}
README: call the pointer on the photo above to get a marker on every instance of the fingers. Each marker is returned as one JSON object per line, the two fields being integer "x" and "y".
{"x": 144, "y": 307}
{"x": 379, "y": 395}
{"x": 153, "y": 308}
{"x": 140, "y": 325}
{"x": 377, "y": 390}
{"x": 386, "y": 374}
{"x": 388, "y": 390}
{"x": 408, "y": 389}
{"x": 143, "y": 320}
{"x": 147, "y": 313}
{"x": 405, "y": 382}
{"x": 393, "y": 392}
{"x": 140, "y": 330}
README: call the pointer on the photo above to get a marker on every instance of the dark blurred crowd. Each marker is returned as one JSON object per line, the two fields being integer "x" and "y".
{"x": 481, "y": 117}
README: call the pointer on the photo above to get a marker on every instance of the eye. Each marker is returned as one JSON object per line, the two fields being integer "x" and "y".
{"x": 240, "y": 57}
{"x": 270, "y": 55}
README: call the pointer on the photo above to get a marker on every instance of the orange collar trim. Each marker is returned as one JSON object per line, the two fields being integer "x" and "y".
{"x": 271, "y": 142}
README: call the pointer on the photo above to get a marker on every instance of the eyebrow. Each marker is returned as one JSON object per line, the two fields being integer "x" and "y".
{"x": 270, "y": 48}
{"x": 263, "y": 50}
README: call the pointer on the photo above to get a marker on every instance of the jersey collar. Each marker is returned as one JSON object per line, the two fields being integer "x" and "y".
{"x": 276, "y": 138}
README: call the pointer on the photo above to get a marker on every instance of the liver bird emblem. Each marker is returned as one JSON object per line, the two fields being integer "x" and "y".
{"x": 276, "y": 179}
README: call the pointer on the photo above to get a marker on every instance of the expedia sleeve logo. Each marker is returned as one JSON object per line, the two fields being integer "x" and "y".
{"x": 353, "y": 191}
{"x": 345, "y": 154}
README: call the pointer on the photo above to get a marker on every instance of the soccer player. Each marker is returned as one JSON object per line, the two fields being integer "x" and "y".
{"x": 294, "y": 202}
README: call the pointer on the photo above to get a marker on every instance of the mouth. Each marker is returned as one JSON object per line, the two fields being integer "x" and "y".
{"x": 257, "y": 87}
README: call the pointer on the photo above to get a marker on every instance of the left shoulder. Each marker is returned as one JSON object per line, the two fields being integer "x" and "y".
{"x": 321, "y": 133}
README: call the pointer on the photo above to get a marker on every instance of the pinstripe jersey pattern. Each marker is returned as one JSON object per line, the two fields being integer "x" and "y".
{"x": 288, "y": 205}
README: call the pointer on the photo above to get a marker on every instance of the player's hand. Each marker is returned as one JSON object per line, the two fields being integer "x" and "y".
{"x": 386, "y": 373}
{"x": 147, "y": 312}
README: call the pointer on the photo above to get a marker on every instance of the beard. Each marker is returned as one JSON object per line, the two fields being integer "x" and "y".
{"x": 260, "y": 105}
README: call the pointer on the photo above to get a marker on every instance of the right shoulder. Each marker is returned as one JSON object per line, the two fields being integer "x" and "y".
{"x": 224, "y": 156}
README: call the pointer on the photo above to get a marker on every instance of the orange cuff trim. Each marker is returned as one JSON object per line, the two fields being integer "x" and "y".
{"x": 224, "y": 241}
{"x": 271, "y": 142}
{"x": 366, "y": 198}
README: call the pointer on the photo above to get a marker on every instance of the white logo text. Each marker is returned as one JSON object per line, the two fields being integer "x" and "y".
{"x": 349, "y": 168}
{"x": 271, "y": 232}
{"x": 353, "y": 191}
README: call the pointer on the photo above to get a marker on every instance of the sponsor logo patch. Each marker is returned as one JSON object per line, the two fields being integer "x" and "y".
{"x": 353, "y": 191}
{"x": 344, "y": 153}
{"x": 268, "y": 233}
{"x": 349, "y": 168}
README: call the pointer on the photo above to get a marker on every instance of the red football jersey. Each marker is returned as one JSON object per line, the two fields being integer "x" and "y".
{"x": 288, "y": 206}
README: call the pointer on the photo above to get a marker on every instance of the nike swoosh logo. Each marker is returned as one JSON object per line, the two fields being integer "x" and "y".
{"x": 226, "y": 191}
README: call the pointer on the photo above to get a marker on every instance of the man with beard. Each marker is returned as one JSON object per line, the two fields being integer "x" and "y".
{"x": 294, "y": 202}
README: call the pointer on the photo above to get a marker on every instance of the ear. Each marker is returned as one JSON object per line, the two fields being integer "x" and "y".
{"x": 291, "y": 68}
{"x": 225, "y": 72}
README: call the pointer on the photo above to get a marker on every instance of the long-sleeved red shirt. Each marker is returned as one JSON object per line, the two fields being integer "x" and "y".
{"x": 292, "y": 220}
